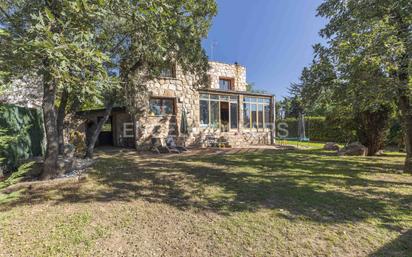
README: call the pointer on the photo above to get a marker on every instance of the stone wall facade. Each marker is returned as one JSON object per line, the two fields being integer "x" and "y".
{"x": 229, "y": 71}
{"x": 186, "y": 97}
{"x": 24, "y": 92}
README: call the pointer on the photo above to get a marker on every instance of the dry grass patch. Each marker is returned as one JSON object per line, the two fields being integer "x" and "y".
{"x": 236, "y": 203}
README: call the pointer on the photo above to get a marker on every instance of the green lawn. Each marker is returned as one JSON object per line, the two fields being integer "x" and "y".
{"x": 224, "y": 203}
{"x": 309, "y": 144}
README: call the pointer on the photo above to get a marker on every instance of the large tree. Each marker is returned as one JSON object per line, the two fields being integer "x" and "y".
{"x": 375, "y": 33}
{"x": 354, "y": 96}
{"x": 55, "y": 41}
{"x": 146, "y": 36}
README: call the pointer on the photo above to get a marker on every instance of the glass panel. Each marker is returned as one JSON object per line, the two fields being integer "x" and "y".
{"x": 267, "y": 116}
{"x": 260, "y": 100}
{"x": 167, "y": 72}
{"x": 204, "y": 113}
{"x": 233, "y": 98}
{"x": 253, "y": 109}
{"x": 161, "y": 107}
{"x": 224, "y": 98}
{"x": 224, "y": 84}
{"x": 233, "y": 115}
{"x": 224, "y": 116}
{"x": 260, "y": 116}
{"x": 214, "y": 114}
{"x": 155, "y": 105}
{"x": 214, "y": 97}
{"x": 246, "y": 115}
{"x": 266, "y": 100}
{"x": 167, "y": 106}
{"x": 250, "y": 99}
{"x": 204, "y": 96}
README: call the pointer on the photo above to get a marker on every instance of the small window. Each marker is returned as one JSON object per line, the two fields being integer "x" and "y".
{"x": 225, "y": 84}
{"x": 168, "y": 72}
{"x": 128, "y": 130}
{"x": 162, "y": 106}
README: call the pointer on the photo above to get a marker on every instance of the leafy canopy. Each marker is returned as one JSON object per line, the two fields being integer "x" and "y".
{"x": 63, "y": 33}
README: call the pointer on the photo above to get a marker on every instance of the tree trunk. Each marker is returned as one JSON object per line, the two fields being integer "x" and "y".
{"x": 96, "y": 132}
{"x": 61, "y": 114}
{"x": 372, "y": 128}
{"x": 406, "y": 116}
{"x": 49, "y": 109}
{"x": 408, "y": 143}
{"x": 50, "y": 122}
{"x": 404, "y": 92}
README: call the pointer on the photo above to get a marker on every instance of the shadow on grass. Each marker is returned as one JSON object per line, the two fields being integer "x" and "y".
{"x": 312, "y": 185}
{"x": 400, "y": 247}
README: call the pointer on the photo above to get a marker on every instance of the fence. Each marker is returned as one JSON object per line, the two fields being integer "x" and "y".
{"x": 21, "y": 135}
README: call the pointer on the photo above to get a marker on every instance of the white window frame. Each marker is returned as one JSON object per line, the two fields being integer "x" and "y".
{"x": 230, "y": 101}
{"x": 264, "y": 121}
{"x": 127, "y": 130}
{"x": 162, "y": 99}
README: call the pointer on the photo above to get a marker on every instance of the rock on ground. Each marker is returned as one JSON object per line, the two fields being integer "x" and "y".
{"x": 354, "y": 149}
{"x": 330, "y": 146}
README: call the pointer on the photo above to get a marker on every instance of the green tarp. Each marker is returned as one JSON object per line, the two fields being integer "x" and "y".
{"x": 21, "y": 135}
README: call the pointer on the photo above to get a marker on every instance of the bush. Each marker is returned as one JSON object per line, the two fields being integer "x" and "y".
{"x": 318, "y": 129}
{"x": 17, "y": 176}
{"x": 21, "y": 135}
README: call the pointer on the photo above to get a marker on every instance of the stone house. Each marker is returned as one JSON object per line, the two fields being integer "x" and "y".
{"x": 223, "y": 109}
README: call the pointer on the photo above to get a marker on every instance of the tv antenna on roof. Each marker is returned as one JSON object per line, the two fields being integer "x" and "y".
{"x": 213, "y": 45}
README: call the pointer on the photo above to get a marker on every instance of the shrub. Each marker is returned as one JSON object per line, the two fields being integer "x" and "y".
{"x": 17, "y": 176}
{"x": 78, "y": 139}
{"x": 318, "y": 129}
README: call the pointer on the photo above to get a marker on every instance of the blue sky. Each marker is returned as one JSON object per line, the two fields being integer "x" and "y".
{"x": 272, "y": 38}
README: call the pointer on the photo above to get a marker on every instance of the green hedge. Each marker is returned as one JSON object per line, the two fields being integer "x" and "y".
{"x": 316, "y": 129}
{"x": 21, "y": 135}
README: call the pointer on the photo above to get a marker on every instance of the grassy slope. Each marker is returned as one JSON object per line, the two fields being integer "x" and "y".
{"x": 261, "y": 203}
